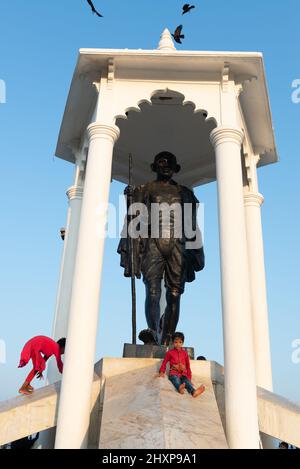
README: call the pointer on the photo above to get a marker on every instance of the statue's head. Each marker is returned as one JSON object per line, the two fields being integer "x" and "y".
{"x": 165, "y": 164}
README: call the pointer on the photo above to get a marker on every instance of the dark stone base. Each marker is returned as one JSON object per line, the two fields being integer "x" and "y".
{"x": 150, "y": 351}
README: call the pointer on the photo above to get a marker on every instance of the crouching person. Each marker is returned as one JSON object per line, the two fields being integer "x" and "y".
{"x": 39, "y": 349}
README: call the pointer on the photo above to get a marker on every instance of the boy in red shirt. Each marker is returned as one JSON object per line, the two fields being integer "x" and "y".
{"x": 39, "y": 349}
{"x": 180, "y": 373}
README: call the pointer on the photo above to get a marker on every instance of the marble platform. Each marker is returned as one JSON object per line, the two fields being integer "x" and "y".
{"x": 22, "y": 415}
{"x": 279, "y": 417}
{"x": 132, "y": 409}
{"x": 142, "y": 411}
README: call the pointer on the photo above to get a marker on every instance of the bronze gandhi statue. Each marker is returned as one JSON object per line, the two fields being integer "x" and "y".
{"x": 169, "y": 254}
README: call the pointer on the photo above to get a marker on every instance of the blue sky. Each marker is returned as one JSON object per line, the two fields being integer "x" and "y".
{"x": 38, "y": 50}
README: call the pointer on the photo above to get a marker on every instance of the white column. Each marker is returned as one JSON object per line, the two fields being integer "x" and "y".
{"x": 240, "y": 382}
{"x": 60, "y": 323}
{"x": 75, "y": 398}
{"x": 263, "y": 364}
{"x": 63, "y": 301}
{"x": 253, "y": 202}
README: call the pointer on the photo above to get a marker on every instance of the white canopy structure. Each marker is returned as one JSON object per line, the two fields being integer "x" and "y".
{"x": 212, "y": 110}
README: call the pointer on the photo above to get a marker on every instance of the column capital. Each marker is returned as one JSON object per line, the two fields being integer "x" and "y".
{"x": 75, "y": 192}
{"x": 101, "y": 130}
{"x": 226, "y": 134}
{"x": 253, "y": 199}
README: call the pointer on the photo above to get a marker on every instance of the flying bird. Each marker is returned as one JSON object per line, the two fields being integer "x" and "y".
{"x": 94, "y": 9}
{"x": 177, "y": 34}
{"x": 187, "y": 8}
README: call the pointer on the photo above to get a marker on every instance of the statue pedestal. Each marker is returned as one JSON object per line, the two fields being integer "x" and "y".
{"x": 150, "y": 351}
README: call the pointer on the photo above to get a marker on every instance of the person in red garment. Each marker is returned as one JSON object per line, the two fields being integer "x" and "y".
{"x": 39, "y": 349}
{"x": 180, "y": 373}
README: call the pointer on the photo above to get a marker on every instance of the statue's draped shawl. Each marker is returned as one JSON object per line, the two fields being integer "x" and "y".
{"x": 194, "y": 257}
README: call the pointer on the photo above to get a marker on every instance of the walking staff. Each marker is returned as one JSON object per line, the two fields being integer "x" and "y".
{"x": 133, "y": 291}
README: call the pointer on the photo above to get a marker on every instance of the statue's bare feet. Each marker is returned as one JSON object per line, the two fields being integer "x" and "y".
{"x": 148, "y": 337}
{"x": 199, "y": 391}
{"x": 181, "y": 388}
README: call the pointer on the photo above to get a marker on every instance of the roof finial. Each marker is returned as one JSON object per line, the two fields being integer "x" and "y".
{"x": 166, "y": 43}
